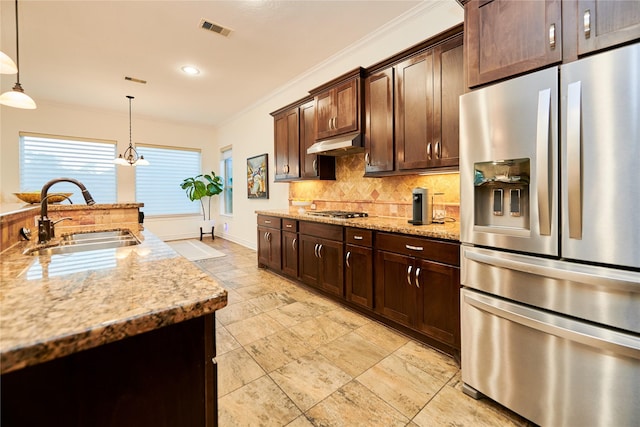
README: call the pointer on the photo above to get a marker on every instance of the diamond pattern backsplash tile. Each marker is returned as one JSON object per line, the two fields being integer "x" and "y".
{"x": 385, "y": 196}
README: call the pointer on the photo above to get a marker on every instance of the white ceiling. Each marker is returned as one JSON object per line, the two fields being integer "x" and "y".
{"x": 78, "y": 52}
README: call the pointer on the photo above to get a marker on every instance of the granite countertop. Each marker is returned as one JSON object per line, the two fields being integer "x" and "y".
{"x": 7, "y": 209}
{"x": 448, "y": 231}
{"x": 56, "y": 305}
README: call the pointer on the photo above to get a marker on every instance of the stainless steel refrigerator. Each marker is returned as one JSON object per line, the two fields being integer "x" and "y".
{"x": 550, "y": 226}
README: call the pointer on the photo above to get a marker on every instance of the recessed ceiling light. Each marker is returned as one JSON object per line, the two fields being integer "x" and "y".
{"x": 190, "y": 70}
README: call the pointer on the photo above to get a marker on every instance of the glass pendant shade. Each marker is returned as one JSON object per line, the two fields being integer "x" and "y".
{"x": 17, "y": 98}
{"x": 7, "y": 66}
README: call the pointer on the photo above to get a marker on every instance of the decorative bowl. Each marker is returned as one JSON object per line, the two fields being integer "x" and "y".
{"x": 34, "y": 197}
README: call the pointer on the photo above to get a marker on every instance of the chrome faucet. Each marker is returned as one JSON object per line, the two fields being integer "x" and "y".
{"x": 45, "y": 225}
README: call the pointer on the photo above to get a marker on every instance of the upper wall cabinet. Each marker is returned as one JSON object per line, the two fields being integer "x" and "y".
{"x": 294, "y": 132}
{"x": 606, "y": 23}
{"x": 504, "y": 38}
{"x": 286, "y": 143}
{"x": 411, "y": 108}
{"x": 338, "y": 105}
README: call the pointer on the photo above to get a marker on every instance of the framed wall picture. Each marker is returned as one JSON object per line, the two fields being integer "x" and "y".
{"x": 258, "y": 177}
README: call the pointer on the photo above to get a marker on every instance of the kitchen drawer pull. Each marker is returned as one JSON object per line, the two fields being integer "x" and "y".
{"x": 418, "y": 277}
{"x": 347, "y": 259}
{"x": 293, "y": 244}
{"x": 409, "y": 274}
{"x": 266, "y": 221}
{"x": 587, "y": 23}
{"x": 358, "y": 237}
{"x": 414, "y": 248}
{"x": 552, "y": 36}
{"x": 288, "y": 225}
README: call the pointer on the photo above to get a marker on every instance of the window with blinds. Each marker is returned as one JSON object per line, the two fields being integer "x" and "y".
{"x": 158, "y": 184}
{"x": 43, "y": 158}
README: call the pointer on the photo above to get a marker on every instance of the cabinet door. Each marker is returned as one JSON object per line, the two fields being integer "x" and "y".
{"x": 330, "y": 256}
{"x": 438, "y": 291}
{"x": 347, "y": 98}
{"x": 359, "y": 275}
{"x": 325, "y": 111}
{"x": 309, "y": 260}
{"x": 414, "y": 109}
{"x": 505, "y": 37}
{"x": 394, "y": 291}
{"x": 312, "y": 166}
{"x": 378, "y": 137}
{"x": 269, "y": 251}
{"x": 606, "y": 23}
{"x": 290, "y": 246}
{"x": 287, "y": 145}
{"x": 449, "y": 85}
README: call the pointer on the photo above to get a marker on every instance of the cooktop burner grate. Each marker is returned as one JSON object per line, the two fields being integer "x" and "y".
{"x": 339, "y": 214}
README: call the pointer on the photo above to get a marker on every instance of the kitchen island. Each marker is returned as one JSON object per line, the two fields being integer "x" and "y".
{"x": 107, "y": 337}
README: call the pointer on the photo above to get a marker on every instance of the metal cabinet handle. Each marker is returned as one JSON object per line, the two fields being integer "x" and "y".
{"x": 358, "y": 237}
{"x": 574, "y": 154}
{"x": 438, "y": 150}
{"x": 409, "y": 274}
{"x": 288, "y": 225}
{"x": 267, "y": 221}
{"x": 366, "y": 159}
{"x": 587, "y": 23}
{"x": 293, "y": 244}
{"x": 414, "y": 248}
{"x": 315, "y": 166}
{"x": 552, "y": 36}
{"x": 418, "y": 277}
{"x": 542, "y": 161}
{"x": 347, "y": 259}
{"x": 315, "y": 250}
{"x": 429, "y": 151}
{"x": 320, "y": 251}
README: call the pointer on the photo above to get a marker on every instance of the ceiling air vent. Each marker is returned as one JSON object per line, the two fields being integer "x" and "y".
{"x": 216, "y": 28}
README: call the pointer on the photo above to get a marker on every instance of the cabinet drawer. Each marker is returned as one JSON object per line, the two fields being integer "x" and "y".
{"x": 444, "y": 252}
{"x": 359, "y": 236}
{"x": 289, "y": 225}
{"x": 269, "y": 221}
{"x": 326, "y": 231}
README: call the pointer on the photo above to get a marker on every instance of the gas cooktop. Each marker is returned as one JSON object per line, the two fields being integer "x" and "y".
{"x": 339, "y": 214}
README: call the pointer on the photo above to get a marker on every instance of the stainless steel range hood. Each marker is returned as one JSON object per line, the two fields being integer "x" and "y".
{"x": 342, "y": 145}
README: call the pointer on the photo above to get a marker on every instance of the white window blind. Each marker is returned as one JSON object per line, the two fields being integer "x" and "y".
{"x": 226, "y": 164}
{"x": 43, "y": 158}
{"x": 158, "y": 185}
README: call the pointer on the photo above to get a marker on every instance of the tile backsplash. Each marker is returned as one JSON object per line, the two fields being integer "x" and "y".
{"x": 385, "y": 196}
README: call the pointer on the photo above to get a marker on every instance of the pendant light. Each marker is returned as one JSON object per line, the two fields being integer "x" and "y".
{"x": 130, "y": 156}
{"x": 7, "y": 66}
{"x": 16, "y": 97}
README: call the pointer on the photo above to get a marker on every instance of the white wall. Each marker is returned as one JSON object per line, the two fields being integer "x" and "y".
{"x": 65, "y": 120}
{"x": 251, "y": 133}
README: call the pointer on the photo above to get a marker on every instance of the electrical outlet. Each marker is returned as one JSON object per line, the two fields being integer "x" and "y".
{"x": 312, "y": 206}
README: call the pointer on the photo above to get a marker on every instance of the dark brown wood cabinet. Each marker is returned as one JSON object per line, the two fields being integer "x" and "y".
{"x": 312, "y": 166}
{"x": 321, "y": 255}
{"x": 338, "y": 105}
{"x": 286, "y": 144}
{"x": 418, "y": 285}
{"x": 290, "y": 247}
{"x": 505, "y": 38}
{"x": 428, "y": 86}
{"x": 379, "y": 145}
{"x": 269, "y": 242}
{"x": 605, "y": 23}
{"x": 358, "y": 266}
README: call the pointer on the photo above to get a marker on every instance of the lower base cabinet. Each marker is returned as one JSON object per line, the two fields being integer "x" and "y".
{"x": 321, "y": 257}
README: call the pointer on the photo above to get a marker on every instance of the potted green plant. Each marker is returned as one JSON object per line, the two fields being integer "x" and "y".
{"x": 200, "y": 187}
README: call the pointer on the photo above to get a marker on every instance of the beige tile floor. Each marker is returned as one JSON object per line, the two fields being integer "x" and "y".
{"x": 290, "y": 357}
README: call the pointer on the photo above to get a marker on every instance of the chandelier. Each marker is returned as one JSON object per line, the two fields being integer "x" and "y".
{"x": 130, "y": 157}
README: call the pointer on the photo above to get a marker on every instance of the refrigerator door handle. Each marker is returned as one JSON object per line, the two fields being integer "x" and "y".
{"x": 574, "y": 159}
{"x": 582, "y": 333}
{"x": 620, "y": 280}
{"x": 542, "y": 161}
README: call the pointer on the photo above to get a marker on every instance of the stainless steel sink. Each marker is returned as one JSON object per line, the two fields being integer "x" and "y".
{"x": 80, "y": 242}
